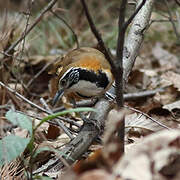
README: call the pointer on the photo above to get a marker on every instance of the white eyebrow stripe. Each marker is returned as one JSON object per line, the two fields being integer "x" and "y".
{"x": 66, "y": 73}
{"x": 76, "y": 68}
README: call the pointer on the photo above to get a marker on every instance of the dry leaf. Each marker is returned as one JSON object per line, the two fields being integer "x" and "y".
{"x": 36, "y": 60}
{"x": 166, "y": 60}
{"x": 174, "y": 105}
{"x": 174, "y": 108}
{"x": 166, "y": 97}
{"x": 139, "y": 79}
{"x": 148, "y": 158}
{"x": 112, "y": 144}
{"x": 139, "y": 123}
{"x": 53, "y": 132}
{"x": 172, "y": 78}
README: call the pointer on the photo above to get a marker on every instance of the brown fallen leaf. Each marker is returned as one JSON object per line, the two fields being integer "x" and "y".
{"x": 113, "y": 145}
{"x": 139, "y": 79}
{"x": 174, "y": 108}
{"x": 166, "y": 60}
{"x": 166, "y": 97}
{"x": 53, "y": 132}
{"x": 150, "y": 156}
{"x": 172, "y": 78}
{"x": 138, "y": 123}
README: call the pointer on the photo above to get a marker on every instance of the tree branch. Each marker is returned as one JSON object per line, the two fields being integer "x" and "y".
{"x": 97, "y": 34}
{"x": 135, "y": 37}
{"x": 78, "y": 146}
{"x": 126, "y": 24}
{"x": 171, "y": 19}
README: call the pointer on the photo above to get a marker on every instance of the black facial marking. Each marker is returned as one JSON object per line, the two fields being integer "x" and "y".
{"x": 77, "y": 74}
{"x": 99, "y": 78}
{"x": 72, "y": 77}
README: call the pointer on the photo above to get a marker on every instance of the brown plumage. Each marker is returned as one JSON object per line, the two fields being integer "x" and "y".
{"x": 82, "y": 73}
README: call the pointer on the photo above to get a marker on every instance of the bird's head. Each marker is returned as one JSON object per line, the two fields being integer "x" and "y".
{"x": 66, "y": 81}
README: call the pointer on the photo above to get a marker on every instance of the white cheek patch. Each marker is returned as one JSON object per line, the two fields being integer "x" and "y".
{"x": 86, "y": 88}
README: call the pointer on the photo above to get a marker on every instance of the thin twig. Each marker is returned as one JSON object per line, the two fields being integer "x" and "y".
{"x": 43, "y": 102}
{"x": 30, "y": 102}
{"x": 97, "y": 34}
{"x": 61, "y": 124}
{"x": 70, "y": 28}
{"x": 119, "y": 55}
{"x": 126, "y": 24}
{"x": 22, "y": 97}
{"x": 149, "y": 117}
{"x": 171, "y": 20}
{"x": 50, "y": 122}
{"x": 177, "y": 2}
{"x": 37, "y": 20}
{"x": 23, "y": 41}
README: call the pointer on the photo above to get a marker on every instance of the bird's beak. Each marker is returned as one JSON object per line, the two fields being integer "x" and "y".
{"x": 58, "y": 96}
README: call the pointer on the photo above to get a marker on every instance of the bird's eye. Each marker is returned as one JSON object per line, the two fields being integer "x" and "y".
{"x": 63, "y": 82}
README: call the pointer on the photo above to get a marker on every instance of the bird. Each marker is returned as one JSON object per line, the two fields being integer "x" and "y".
{"x": 83, "y": 73}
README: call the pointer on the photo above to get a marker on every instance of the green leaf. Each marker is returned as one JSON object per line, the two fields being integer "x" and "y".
{"x": 20, "y": 119}
{"x": 11, "y": 147}
{"x": 52, "y": 116}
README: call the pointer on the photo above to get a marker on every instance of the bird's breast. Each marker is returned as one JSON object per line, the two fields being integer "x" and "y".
{"x": 86, "y": 89}
{"x": 91, "y": 83}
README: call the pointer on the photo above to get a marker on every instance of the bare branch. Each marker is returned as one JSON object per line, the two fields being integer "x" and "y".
{"x": 119, "y": 55}
{"x": 126, "y": 24}
{"x": 135, "y": 37}
{"x": 97, "y": 34}
{"x": 80, "y": 144}
{"x": 118, "y": 75}
{"x": 60, "y": 123}
{"x": 177, "y": 2}
{"x": 117, "y": 66}
{"x": 34, "y": 105}
{"x": 171, "y": 19}
{"x": 90, "y": 130}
